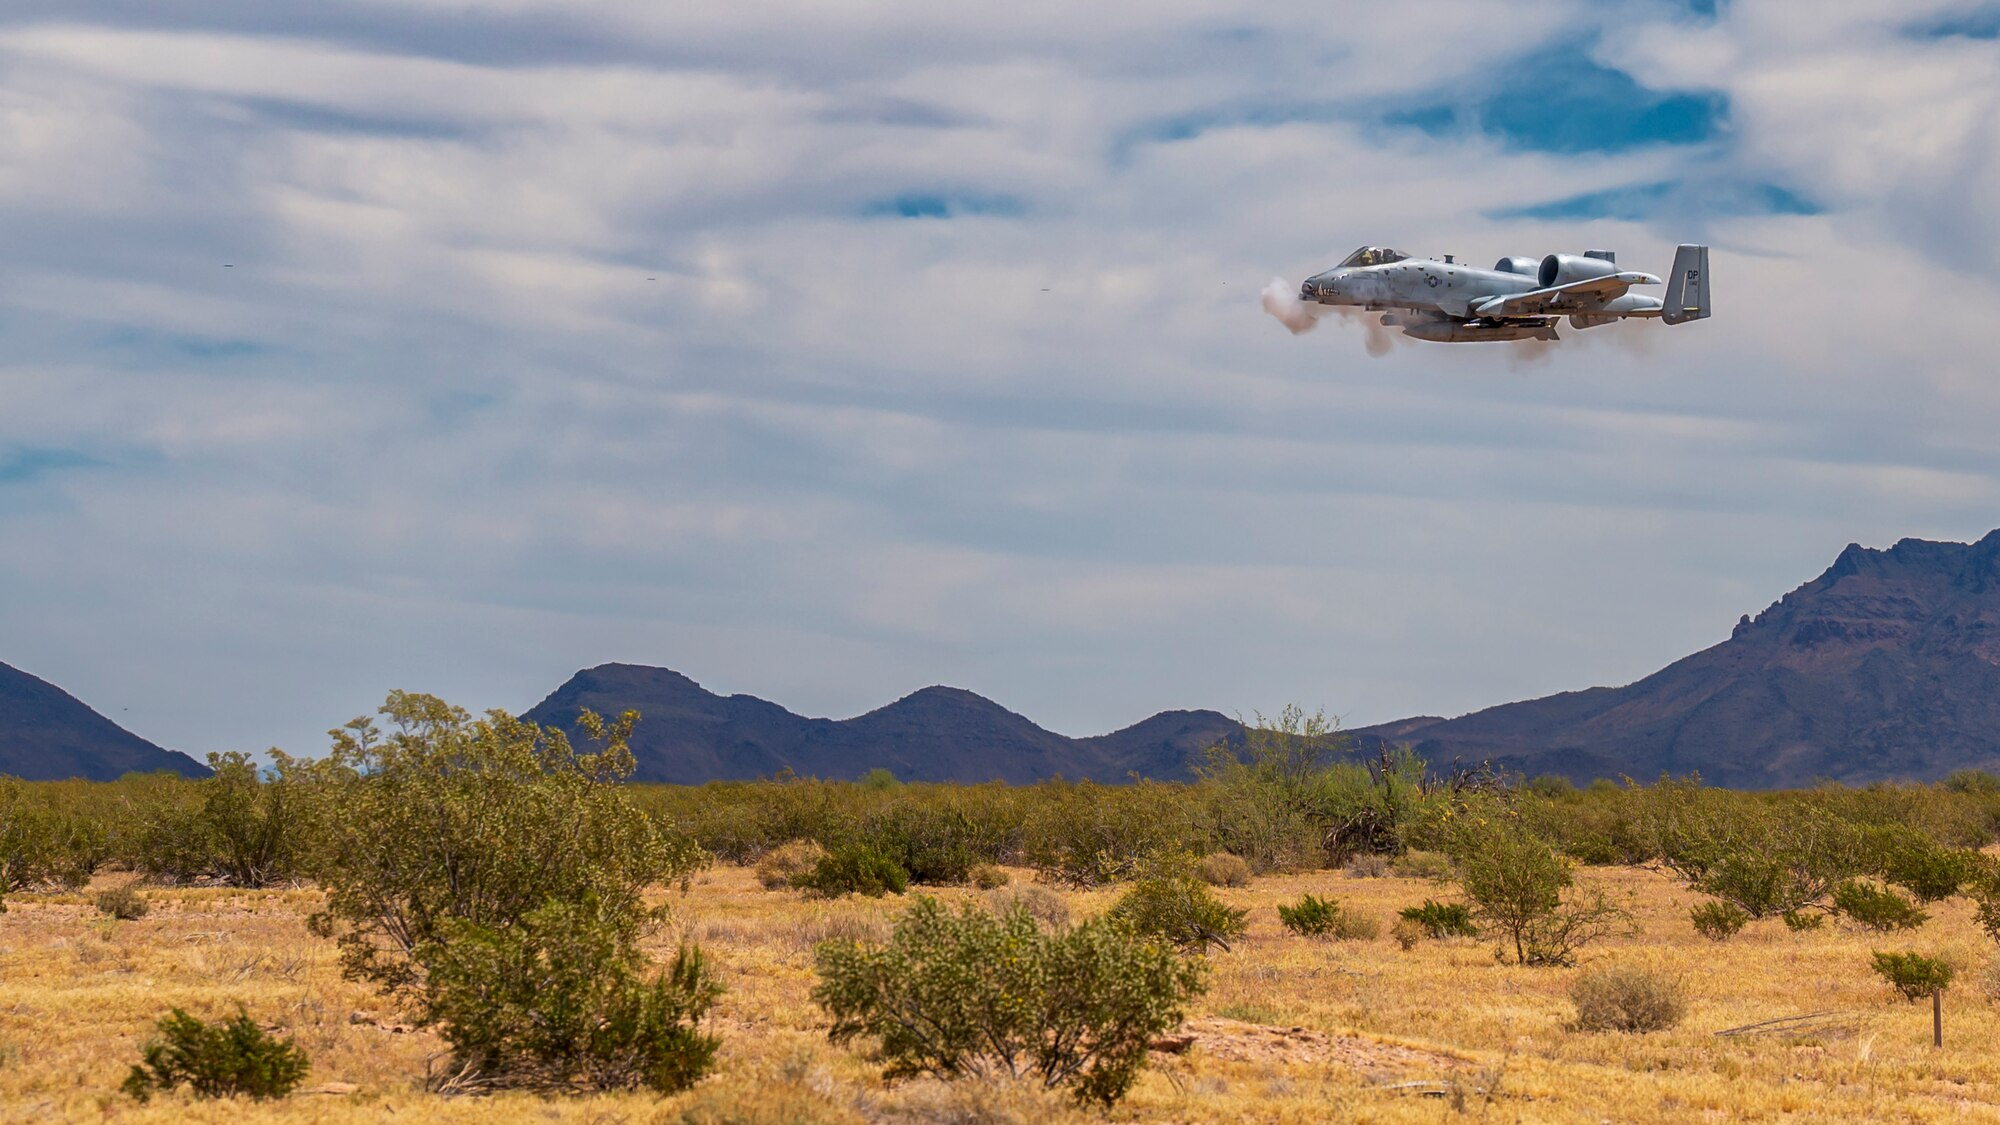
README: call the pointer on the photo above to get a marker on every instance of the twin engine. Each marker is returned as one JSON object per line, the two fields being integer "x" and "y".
{"x": 1563, "y": 269}
{"x": 1560, "y": 269}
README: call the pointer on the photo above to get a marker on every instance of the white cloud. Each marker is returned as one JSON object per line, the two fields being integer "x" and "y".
{"x": 434, "y": 426}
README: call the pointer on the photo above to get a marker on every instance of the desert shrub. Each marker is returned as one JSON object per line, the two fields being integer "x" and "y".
{"x": 972, "y": 993}
{"x": 1171, "y": 903}
{"x": 1408, "y": 933}
{"x": 1367, "y": 866}
{"x": 1877, "y": 908}
{"x": 1929, "y": 872}
{"x": 935, "y": 839}
{"x": 1990, "y": 982}
{"x": 1718, "y": 921}
{"x": 1222, "y": 869}
{"x": 1522, "y": 891}
{"x": 1421, "y": 865}
{"x": 1799, "y": 921}
{"x": 1312, "y": 916}
{"x": 858, "y": 868}
{"x": 1274, "y": 798}
{"x": 470, "y": 866}
{"x": 44, "y": 840}
{"x": 988, "y": 877}
{"x": 779, "y": 866}
{"x": 1442, "y": 919}
{"x": 1086, "y": 835}
{"x": 1042, "y": 904}
{"x": 123, "y": 902}
{"x": 1913, "y": 974}
{"x": 216, "y": 1060}
{"x": 1628, "y": 998}
{"x": 561, "y": 1000}
{"x": 235, "y": 826}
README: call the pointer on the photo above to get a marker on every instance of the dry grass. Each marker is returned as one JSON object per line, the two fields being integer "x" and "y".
{"x": 1290, "y": 1026}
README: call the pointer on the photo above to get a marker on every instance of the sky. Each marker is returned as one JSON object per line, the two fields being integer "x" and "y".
{"x": 824, "y": 352}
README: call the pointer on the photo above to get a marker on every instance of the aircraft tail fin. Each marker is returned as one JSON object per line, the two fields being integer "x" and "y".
{"x": 1687, "y": 287}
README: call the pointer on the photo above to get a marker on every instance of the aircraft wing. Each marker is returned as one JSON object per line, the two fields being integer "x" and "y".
{"x": 1562, "y": 298}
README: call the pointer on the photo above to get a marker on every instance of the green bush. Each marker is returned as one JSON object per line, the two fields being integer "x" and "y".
{"x": 1327, "y": 918}
{"x": 1718, "y": 921}
{"x": 1628, "y": 998}
{"x": 123, "y": 902}
{"x": 560, "y": 1001}
{"x": 1523, "y": 892}
{"x": 491, "y": 875}
{"x": 217, "y": 1060}
{"x": 1928, "y": 871}
{"x": 235, "y": 826}
{"x": 1086, "y": 835}
{"x": 44, "y": 840}
{"x": 1877, "y": 908}
{"x": 972, "y": 993}
{"x": 1170, "y": 902}
{"x": 858, "y": 868}
{"x": 1442, "y": 919}
{"x": 1913, "y": 974}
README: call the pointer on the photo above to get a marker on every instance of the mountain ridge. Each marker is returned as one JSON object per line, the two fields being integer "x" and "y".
{"x": 1885, "y": 666}
{"x": 47, "y": 734}
{"x": 689, "y": 735}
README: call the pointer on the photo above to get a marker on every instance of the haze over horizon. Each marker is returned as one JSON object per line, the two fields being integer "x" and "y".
{"x": 824, "y": 355}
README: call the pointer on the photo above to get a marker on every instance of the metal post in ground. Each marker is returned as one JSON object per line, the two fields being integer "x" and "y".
{"x": 1937, "y": 1017}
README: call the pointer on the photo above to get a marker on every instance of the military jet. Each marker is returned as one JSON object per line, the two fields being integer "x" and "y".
{"x": 1518, "y": 299}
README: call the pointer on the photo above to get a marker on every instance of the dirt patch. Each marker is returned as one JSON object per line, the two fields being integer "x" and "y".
{"x": 1237, "y": 1041}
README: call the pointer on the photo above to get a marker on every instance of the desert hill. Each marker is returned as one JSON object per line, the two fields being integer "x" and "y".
{"x": 1887, "y": 666}
{"x": 689, "y": 735}
{"x": 47, "y": 734}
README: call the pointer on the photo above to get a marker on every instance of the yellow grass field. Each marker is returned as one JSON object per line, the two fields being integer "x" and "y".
{"x": 1291, "y": 1029}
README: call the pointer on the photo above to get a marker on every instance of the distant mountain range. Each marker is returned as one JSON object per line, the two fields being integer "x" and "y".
{"x": 47, "y": 734}
{"x": 1887, "y": 666}
{"x": 687, "y": 734}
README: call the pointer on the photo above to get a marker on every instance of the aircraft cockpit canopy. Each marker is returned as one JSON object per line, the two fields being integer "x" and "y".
{"x": 1371, "y": 256}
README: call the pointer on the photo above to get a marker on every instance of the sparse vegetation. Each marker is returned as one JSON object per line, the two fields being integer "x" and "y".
{"x": 1628, "y": 998}
{"x": 988, "y": 876}
{"x": 970, "y": 993}
{"x": 226, "y": 1058}
{"x": 213, "y": 939}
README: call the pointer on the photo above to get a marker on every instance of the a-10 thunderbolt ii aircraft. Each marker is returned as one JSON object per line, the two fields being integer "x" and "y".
{"x": 1518, "y": 299}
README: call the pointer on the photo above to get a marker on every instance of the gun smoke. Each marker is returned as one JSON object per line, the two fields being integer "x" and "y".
{"x": 1281, "y": 300}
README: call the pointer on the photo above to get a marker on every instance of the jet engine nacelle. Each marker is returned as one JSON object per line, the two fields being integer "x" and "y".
{"x": 1526, "y": 267}
{"x": 1562, "y": 269}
